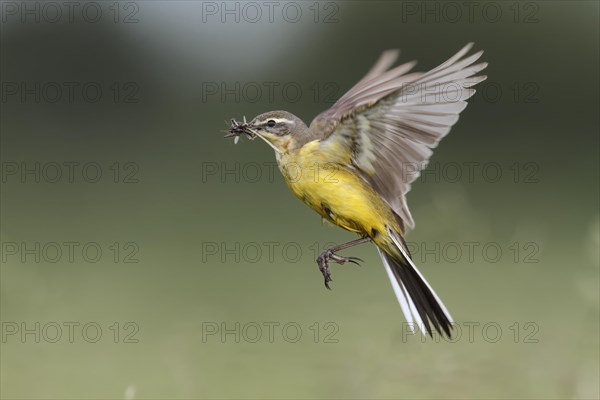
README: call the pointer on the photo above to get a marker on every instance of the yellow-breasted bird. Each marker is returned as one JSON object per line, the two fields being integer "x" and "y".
{"x": 355, "y": 162}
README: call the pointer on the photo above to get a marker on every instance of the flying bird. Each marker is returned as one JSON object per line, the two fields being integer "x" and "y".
{"x": 355, "y": 163}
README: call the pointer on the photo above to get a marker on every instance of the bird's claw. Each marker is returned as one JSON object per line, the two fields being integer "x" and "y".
{"x": 342, "y": 260}
{"x": 323, "y": 263}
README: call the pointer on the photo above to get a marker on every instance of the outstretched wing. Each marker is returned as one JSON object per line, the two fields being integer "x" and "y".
{"x": 391, "y": 120}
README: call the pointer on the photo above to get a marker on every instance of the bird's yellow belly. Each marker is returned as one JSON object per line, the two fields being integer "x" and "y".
{"x": 339, "y": 196}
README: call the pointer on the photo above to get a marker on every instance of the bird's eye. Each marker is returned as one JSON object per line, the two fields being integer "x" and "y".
{"x": 270, "y": 123}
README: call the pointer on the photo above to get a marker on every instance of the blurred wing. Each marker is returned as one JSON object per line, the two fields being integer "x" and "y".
{"x": 391, "y": 120}
{"x": 373, "y": 86}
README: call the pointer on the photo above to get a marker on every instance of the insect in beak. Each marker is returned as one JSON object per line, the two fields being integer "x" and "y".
{"x": 236, "y": 130}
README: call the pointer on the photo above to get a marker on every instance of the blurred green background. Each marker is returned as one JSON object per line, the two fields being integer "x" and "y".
{"x": 197, "y": 235}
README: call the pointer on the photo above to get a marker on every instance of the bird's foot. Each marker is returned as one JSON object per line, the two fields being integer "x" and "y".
{"x": 329, "y": 255}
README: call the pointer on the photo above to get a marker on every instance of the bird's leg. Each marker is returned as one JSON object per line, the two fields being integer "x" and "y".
{"x": 329, "y": 254}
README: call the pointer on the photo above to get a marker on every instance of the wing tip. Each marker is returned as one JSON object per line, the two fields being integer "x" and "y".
{"x": 466, "y": 48}
{"x": 391, "y": 52}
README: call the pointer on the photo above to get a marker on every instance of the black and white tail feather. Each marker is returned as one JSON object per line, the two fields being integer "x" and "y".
{"x": 420, "y": 304}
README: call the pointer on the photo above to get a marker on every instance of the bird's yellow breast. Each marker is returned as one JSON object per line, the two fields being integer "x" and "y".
{"x": 319, "y": 177}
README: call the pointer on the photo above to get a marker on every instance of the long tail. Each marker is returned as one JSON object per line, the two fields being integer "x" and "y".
{"x": 419, "y": 303}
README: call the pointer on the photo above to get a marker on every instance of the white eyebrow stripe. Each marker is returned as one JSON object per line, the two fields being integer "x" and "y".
{"x": 277, "y": 120}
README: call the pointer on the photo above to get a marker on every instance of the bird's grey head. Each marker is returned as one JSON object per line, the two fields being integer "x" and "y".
{"x": 281, "y": 129}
